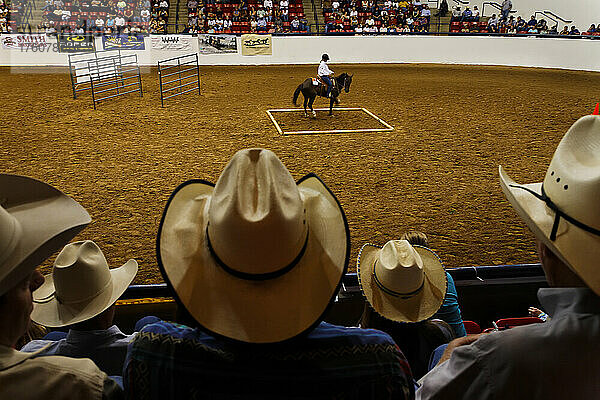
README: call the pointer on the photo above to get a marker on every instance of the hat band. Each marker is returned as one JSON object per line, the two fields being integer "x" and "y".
{"x": 256, "y": 277}
{"x": 53, "y": 295}
{"x": 391, "y": 292}
{"x": 559, "y": 214}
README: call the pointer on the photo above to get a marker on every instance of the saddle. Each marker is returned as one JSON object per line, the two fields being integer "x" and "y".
{"x": 321, "y": 86}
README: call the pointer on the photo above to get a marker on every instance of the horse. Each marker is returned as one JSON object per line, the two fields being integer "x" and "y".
{"x": 310, "y": 92}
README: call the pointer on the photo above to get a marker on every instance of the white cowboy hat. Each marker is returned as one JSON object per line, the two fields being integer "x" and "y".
{"x": 402, "y": 283}
{"x": 35, "y": 221}
{"x": 256, "y": 258}
{"x": 564, "y": 210}
{"x": 80, "y": 287}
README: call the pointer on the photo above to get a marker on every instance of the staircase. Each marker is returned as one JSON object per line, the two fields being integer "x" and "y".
{"x": 173, "y": 9}
{"x": 36, "y": 19}
{"x": 310, "y": 16}
{"x": 439, "y": 24}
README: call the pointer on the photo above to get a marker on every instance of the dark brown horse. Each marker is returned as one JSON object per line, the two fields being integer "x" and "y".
{"x": 310, "y": 92}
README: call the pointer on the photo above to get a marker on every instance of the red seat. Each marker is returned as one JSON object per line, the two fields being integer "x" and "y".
{"x": 507, "y": 323}
{"x": 472, "y": 327}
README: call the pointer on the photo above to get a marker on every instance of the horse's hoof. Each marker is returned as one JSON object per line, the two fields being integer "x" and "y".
{"x": 314, "y": 114}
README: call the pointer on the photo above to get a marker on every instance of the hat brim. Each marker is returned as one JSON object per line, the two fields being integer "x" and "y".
{"x": 414, "y": 309}
{"x": 268, "y": 311}
{"x": 574, "y": 246}
{"x": 50, "y": 312}
{"x": 48, "y": 218}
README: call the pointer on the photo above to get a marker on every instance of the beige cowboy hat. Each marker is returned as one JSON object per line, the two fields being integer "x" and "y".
{"x": 35, "y": 221}
{"x": 80, "y": 287}
{"x": 255, "y": 258}
{"x": 403, "y": 283}
{"x": 564, "y": 210}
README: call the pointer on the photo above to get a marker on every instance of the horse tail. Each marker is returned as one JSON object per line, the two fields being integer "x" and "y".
{"x": 296, "y": 94}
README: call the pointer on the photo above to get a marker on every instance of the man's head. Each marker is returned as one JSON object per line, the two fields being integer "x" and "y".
{"x": 35, "y": 220}
{"x": 563, "y": 211}
{"x": 257, "y": 257}
{"x": 325, "y": 57}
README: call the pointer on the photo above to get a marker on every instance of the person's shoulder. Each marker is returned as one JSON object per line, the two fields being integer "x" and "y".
{"x": 83, "y": 369}
{"x": 350, "y": 335}
{"x": 36, "y": 345}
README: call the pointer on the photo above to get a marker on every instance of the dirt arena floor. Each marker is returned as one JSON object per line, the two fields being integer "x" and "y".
{"x": 436, "y": 172}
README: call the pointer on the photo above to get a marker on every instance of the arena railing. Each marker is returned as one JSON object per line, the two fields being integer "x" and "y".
{"x": 495, "y": 5}
{"x": 555, "y": 18}
{"x": 485, "y": 293}
{"x": 464, "y": 276}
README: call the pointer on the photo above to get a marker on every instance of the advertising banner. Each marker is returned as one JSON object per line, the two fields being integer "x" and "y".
{"x": 123, "y": 42}
{"x": 76, "y": 43}
{"x": 256, "y": 45}
{"x": 171, "y": 43}
{"x": 21, "y": 42}
{"x": 217, "y": 44}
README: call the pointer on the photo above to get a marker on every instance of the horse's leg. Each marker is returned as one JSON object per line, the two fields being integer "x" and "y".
{"x": 310, "y": 104}
{"x": 305, "y": 102}
{"x": 331, "y": 100}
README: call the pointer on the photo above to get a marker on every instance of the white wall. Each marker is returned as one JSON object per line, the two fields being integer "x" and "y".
{"x": 582, "y": 12}
{"x": 573, "y": 54}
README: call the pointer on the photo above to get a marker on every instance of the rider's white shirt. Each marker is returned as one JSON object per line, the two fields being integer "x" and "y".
{"x": 324, "y": 69}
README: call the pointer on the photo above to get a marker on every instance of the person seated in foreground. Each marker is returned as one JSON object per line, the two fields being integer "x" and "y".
{"x": 404, "y": 286}
{"x": 559, "y": 359}
{"x": 81, "y": 293}
{"x": 35, "y": 221}
{"x": 450, "y": 309}
{"x": 256, "y": 260}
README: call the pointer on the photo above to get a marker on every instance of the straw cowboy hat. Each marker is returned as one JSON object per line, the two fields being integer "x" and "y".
{"x": 255, "y": 258}
{"x": 564, "y": 210}
{"x": 80, "y": 287}
{"x": 35, "y": 221}
{"x": 403, "y": 283}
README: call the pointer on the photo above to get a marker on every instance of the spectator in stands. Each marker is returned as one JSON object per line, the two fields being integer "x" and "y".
{"x": 119, "y": 23}
{"x": 36, "y": 220}
{"x": 506, "y": 8}
{"x": 574, "y": 31}
{"x": 520, "y": 25}
{"x": 404, "y": 286}
{"x": 443, "y": 10}
{"x": 492, "y": 25}
{"x": 591, "y": 29}
{"x": 88, "y": 291}
{"x": 561, "y": 358}
{"x": 256, "y": 259}
{"x": 295, "y": 24}
{"x": 449, "y": 311}
{"x": 565, "y": 31}
{"x": 466, "y": 15}
{"x": 532, "y": 21}
{"x": 475, "y": 14}
{"x": 456, "y": 14}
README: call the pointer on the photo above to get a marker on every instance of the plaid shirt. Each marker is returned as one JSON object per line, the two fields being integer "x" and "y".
{"x": 171, "y": 361}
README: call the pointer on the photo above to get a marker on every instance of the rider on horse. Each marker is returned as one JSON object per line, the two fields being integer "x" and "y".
{"x": 325, "y": 73}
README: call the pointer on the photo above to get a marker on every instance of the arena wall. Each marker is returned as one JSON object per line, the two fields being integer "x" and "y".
{"x": 574, "y": 54}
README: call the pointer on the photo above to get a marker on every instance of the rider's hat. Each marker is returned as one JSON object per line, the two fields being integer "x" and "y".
{"x": 325, "y": 57}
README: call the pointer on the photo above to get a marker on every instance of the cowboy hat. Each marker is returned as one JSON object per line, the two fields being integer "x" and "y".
{"x": 563, "y": 211}
{"x": 403, "y": 283}
{"x": 35, "y": 221}
{"x": 80, "y": 287}
{"x": 255, "y": 258}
